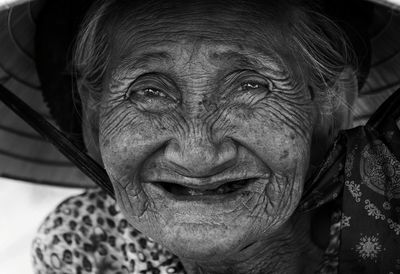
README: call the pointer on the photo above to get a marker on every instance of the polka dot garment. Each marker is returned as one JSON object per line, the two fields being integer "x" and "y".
{"x": 88, "y": 234}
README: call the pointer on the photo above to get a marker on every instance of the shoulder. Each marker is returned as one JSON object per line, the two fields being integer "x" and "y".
{"x": 87, "y": 234}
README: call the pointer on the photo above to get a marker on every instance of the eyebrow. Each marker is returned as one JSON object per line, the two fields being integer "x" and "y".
{"x": 266, "y": 63}
{"x": 142, "y": 61}
{"x": 260, "y": 61}
{"x": 240, "y": 58}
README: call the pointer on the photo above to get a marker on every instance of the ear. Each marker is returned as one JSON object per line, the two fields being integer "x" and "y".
{"x": 90, "y": 122}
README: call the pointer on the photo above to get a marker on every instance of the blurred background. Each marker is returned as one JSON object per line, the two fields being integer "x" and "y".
{"x": 23, "y": 206}
{"x": 24, "y": 155}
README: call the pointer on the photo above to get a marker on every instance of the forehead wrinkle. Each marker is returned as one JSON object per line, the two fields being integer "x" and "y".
{"x": 248, "y": 60}
{"x": 144, "y": 60}
{"x": 220, "y": 55}
{"x": 256, "y": 27}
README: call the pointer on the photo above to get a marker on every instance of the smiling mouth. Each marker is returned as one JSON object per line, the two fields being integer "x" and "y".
{"x": 227, "y": 188}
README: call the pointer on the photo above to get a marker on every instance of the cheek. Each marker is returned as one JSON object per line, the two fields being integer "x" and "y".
{"x": 281, "y": 141}
{"x": 281, "y": 146}
{"x": 127, "y": 138}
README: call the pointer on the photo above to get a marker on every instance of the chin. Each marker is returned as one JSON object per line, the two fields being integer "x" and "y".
{"x": 204, "y": 242}
{"x": 215, "y": 222}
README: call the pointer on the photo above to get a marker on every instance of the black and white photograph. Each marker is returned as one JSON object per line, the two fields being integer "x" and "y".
{"x": 199, "y": 136}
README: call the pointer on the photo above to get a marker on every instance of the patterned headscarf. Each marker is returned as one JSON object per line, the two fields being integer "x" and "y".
{"x": 362, "y": 175}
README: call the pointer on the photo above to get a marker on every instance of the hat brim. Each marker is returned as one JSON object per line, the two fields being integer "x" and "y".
{"x": 384, "y": 75}
{"x": 24, "y": 155}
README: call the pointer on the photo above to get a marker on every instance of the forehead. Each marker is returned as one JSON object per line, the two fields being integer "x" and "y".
{"x": 189, "y": 56}
{"x": 244, "y": 36}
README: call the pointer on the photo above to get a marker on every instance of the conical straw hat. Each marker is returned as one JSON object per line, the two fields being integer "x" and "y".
{"x": 25, "y": 155}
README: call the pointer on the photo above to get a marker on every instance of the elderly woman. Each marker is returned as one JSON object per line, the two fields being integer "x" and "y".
{"x": 208, "y": 117}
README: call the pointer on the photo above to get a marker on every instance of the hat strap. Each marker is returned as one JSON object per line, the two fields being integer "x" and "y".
{"x": 83, "y": 161}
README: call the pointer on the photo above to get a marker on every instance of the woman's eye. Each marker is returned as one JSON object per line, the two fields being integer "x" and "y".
{"x": 150, "y": 92}
{"x": 249, "y": 86}
{"x": 153, "y": 91}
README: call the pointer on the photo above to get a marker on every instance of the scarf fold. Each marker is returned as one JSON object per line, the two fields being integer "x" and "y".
{"x": 362, "y": 173}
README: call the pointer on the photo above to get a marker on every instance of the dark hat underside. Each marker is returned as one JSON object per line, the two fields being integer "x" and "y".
{"x": 36, "y": 46}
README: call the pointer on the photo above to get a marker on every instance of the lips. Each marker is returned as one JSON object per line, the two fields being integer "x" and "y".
{"x": 222, "y": 189}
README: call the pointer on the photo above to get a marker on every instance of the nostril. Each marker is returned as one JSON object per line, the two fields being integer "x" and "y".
{"x": 199, "y": 158}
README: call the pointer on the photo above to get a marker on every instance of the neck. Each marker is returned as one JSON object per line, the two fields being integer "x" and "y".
{"x": 287, "y": 250}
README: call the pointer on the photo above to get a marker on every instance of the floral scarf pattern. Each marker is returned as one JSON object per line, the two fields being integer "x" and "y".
{"x": 362, "y": 174}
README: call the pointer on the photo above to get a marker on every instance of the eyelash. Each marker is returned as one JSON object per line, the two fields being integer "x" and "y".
{"x": 153, "y": 91}
{"x": 158, "y": 93}
{"x": 147, "y": 93}
{"x": 250, "y": 85}
{"x": 251, "y": 80}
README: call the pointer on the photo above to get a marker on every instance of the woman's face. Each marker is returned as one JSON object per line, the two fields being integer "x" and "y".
{"x": 205, "y": 135}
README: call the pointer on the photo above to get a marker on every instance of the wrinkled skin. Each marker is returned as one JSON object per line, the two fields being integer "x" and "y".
{"x": 189, "y": 102}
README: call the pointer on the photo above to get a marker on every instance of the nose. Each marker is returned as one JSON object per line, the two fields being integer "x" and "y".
{"x": 200, "y": 157}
